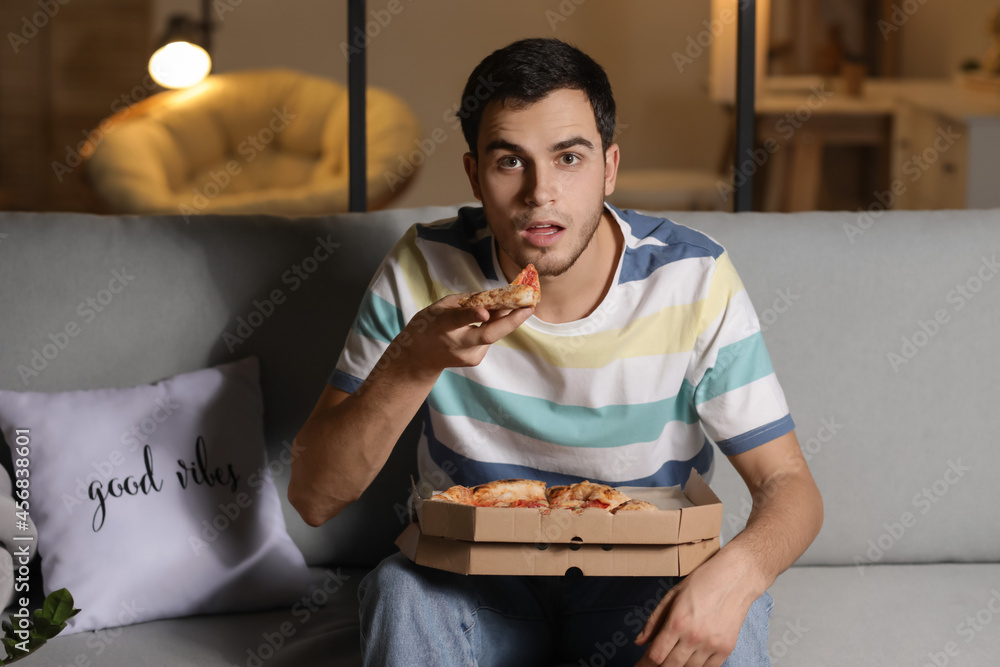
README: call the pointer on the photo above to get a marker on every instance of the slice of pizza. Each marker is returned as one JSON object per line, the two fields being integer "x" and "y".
{"x": 585, "y": 494}
{"x": 501, "y": 493}
{"x": 510, "y": 493}
{"x": 634, "y": 505}
{"x": 456, "y": 494}
{"x": 523, "y": 292}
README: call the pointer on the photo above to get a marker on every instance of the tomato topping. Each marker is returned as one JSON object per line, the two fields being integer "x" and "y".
{"x": 529, "y": 276}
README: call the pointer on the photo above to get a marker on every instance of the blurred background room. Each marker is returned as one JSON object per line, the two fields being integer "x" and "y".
{"x": 865, "y": 104}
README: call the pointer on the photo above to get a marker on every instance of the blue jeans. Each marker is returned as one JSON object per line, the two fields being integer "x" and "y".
{"x": 414, "y": 615}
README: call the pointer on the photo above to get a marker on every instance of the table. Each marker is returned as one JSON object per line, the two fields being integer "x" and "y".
{"x": 797, "y": 117}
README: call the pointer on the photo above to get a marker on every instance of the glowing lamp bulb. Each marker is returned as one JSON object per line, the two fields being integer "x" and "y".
{"x": 179, "y": 65}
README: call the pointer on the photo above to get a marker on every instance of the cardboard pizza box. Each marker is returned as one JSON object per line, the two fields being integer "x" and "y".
{"x": 691, "y": 515}
{"x": 509, "y": 558}
{"x": 671, "y": 541}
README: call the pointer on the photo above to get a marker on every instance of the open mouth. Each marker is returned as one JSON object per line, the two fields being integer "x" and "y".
{"x": 544, "y": 230}
{"x": 543, "y": 233}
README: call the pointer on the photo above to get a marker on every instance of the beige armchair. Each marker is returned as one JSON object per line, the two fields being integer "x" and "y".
{"x": 266, "y": 141}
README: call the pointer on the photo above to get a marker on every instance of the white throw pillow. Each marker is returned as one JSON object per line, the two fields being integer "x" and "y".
{"x": 156, "y": 501}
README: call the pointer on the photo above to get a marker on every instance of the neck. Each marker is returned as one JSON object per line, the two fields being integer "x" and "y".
{"x": 576, "y": 293}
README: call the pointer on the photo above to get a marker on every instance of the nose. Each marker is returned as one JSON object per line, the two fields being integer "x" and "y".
{"x": 541, "y": 186}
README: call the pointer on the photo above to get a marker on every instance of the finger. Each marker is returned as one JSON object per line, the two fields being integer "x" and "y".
{"x": 716, "y": 660}
{"x": 696, "y": 658}
{"x": 463, "y": 317}
{"x": 655, "y": 619}
{"x": 497, "y": 328}
{"x": 447, "y": 302}
{"x": 455, "y": 316}
{"x": 497, "y": 314}
{"x": 680, "y": 655}
{"x": 659, "y": 650}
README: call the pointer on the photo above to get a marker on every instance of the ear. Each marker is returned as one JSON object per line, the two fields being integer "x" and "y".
{"x": 471, "y": 165}
{"x": 611, "y": 158}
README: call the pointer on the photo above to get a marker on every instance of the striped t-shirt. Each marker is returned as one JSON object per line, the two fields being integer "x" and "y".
{"x": 624, "y": 396}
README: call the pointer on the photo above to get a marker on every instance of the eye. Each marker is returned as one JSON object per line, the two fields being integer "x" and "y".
{"x": 569, "y": 159}
{"x": 510, "y": 162}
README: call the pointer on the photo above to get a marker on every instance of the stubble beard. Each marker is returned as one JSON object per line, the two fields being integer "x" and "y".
{"x": 547, "y": 260}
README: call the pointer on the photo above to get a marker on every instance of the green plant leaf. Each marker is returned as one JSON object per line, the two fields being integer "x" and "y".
{"x": 48, "y": 622}
{"x": 58, "y": 606}
{"x": 45, "y": 629}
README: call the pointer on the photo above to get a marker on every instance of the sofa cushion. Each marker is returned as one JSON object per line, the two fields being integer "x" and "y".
{"x": 822, "y": 617}
{"x": 920, "y": 615}
{"x": 320, "y": 627}
{"x": 883, "y": 337}
{"x": 155, "y": 501}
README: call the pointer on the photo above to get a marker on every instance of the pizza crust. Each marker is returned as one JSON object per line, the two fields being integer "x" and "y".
{"x": 522, "y": 292}
{"x": 634, "y": 505}
{"x": 456, "y": 494}
{"x": 503, "y": 298}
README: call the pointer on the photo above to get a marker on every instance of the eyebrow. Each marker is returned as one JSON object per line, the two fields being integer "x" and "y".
{"x": 569, "y": 143}
{"x": 502, "y": 144}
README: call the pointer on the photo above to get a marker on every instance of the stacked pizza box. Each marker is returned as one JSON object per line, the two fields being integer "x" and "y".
{"x": 672, "y": 540}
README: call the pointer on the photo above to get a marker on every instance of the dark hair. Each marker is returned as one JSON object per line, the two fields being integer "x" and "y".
{"x": 526, "y": 71}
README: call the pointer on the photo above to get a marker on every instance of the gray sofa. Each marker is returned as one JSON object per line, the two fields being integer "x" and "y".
{"x": 883, "y": 335}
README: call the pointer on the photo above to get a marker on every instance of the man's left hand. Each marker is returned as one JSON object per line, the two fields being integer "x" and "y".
{"x": 697, "y": 622}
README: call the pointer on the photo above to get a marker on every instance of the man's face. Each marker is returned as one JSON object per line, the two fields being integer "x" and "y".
{"x": 542, "y": 177}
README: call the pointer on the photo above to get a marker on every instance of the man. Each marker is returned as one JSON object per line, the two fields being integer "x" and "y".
{"x": 644, "y": 341}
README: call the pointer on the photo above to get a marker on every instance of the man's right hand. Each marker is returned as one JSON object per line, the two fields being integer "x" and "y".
{"x": 446, "y": 335}
{"x": 348, "y": 437}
